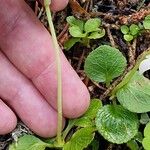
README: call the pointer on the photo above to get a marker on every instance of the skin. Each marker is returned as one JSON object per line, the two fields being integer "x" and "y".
{"x": 28, "y": 81}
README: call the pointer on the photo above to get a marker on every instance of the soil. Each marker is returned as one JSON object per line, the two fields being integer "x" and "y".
{"x": 114, "y": 13}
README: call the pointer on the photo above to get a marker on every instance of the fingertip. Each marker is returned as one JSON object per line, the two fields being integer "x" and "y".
{"x": 49, "y": 130}
{"x": 79, "y": 103}
{"x": 8, "y": 120}
{"x": 58, "y": 5}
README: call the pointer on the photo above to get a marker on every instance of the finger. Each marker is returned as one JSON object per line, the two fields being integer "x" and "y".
{"x": 28, "y": 45}
{"x": 20, "y": 94}
{"x": 8, "y": 119}
{"x": 57, "y": 5}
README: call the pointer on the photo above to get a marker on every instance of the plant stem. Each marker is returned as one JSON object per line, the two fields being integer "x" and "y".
{"x": 130, "y": 73}
{"x": 59, "y": 76}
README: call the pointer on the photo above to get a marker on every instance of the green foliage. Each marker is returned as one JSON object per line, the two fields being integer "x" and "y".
{"x": 130, "y": 32}
{"x": 89, "y": 116}
{"x": 125, "y": 29}
{"x": 133, "y": 145}
{"x": 144, "y": 118}
{"x": 104, "y": 64}
{"x": 71, "y": 42}
{"x": 81, "y": 139}
{"x": 76, "y": 32}
{"x": 84, "y": 31}
{"x": 146, "y": 22}
{"x": 135, "y": 95}
{"x": 116, "y": 124}
{"x": 29, "y": 142}
{"x": 134, "y": 29}
{"x": 128, "y": 37}
{"x": 146, "y": 140}
{"x": 92, "y": 25}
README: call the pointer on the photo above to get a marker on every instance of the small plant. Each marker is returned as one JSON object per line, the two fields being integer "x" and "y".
{"x": 146, "y": 22}
{"x": 130, "y": 32}
{"x": 83, "y": 32}
{"x": 117, "y": 123}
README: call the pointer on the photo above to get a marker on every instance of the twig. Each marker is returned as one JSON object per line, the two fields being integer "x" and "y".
{"x": 99, "y": 86}
{"x": 36, "y": 8}
{"x": 110, "y": 37}
{"x": 80, "y": 61}
{"x": 63, "y": 31}
{"x": 132, "y": 53}
{"x": 40, "y": 13}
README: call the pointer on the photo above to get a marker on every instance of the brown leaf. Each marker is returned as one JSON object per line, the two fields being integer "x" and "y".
{"x": 78, "y": 11}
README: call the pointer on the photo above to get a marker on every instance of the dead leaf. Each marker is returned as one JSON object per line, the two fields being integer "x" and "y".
{"x": 78, "y": 11}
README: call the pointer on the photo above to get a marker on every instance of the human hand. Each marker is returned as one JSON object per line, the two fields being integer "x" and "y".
{"x": 28, "y": 82}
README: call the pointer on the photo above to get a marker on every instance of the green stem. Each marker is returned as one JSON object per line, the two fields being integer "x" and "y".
{"x": 59, "y": 76}
{"x": 130, "y": 73}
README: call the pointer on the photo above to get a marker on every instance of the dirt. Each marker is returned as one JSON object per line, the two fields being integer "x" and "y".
{"x": 114, "y": 13}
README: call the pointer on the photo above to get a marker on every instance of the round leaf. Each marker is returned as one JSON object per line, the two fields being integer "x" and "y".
{"x": 135, "y": 95}
{"x": 147, "y": 130}
{"x": 92, "y": 25}
{"x": 146, "y": 140}
{"x": 147, "y": 17}
{"x": 97, "y": 34}
{"x": 76, "y": 32}
{"x": 146, "y": 143}
{"x": 104, "y": 64}
{"x": 134, "y": 29}
{"x": 124, "y": 29}
{"x": 116, "y": 124}
{"x": 146, "y": 24}
{"x": 128, "y": 37}
{"x": 80, "y": 139}
{"x": 75, "y": 22}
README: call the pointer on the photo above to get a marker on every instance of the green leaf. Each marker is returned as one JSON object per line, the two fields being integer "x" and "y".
{"x": 104, "y": 64}
{"x": 90, "y": 114}
{"x": 29, "y": 142}
{"x": 71, "y": 42}
{"x": 133, "y": 145}
{"x": 92, "y": 25}
{"x": 144, "y": 118}
{"x": 95, "y": 105}
{"x": 146, "y": 140}
{"x": 146, "y": 143}
{"x": 147, "y": 130}
{"x": 75, "y": 22}
{"x": 80, "y": 139}
{"x": 95, "y": 144}
{"x": 128, "y": 37}
{"x": 83, "y": 122}
{"x": 125, "y": 29}
{"x": 139, "y": 137}
{"x": 146, "y": 24}
{"x": 134, "y": 29}
{"x": 147, "y": 17}
{"x": 116, "y": 124}
{"x": 97, "y": 34}
{"x": 76, "y": 32}
{"x": 135, "y": 95}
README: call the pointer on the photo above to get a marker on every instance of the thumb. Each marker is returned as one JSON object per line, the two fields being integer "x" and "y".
{"x": 57, "y": 5}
